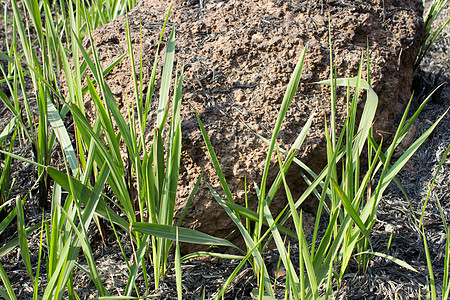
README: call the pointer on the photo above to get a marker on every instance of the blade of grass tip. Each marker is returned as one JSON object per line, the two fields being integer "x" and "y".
{"x": 178, "y": 268}
{"x": 389, "y": 173}
{"x": 408, "y": 153}
{"x": 395, "y": 260}
{"x": 333, "y": 92}
{"x": 165, "y": 82}
{"x": 23, "y": 244}
{"x": 155, "y": 64}
{"x": 133, "y": 74}
{"x": 407, "y": 126}
{"x": 288, "y": 96}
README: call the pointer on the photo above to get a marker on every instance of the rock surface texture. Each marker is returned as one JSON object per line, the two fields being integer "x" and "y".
{"x": 238, "y": 58}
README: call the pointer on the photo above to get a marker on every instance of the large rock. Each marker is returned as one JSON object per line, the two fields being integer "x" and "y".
{"x": 238, "y": 58}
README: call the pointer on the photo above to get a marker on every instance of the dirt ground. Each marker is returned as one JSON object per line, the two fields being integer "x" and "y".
{"x": 383, "y": 280}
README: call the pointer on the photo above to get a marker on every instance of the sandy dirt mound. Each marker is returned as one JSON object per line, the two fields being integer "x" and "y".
{"x": 238, "y": 58}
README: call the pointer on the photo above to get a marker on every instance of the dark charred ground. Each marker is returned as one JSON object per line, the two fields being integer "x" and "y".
{"x": 383, "y": 279}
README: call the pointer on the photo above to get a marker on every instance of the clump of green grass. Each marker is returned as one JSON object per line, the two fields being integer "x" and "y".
{"x": 348, "y": 197}
{"x": 431, "y": 279}
{"x": 433, "y": 33}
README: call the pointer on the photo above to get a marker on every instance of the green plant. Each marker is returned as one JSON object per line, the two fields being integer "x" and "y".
{"x": 6, "y": 184}
{"x": 432, "y": 33}
{"x": 431, "y": 280}
{"x": 346, "y": 196}
{"x": 146, "y": 195}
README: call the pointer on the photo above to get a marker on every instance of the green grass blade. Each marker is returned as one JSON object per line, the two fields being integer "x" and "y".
{"x": 185, "y": 235}
{"x": 288, "y": 96}
{"x": 61, "y": 133}
{"x": 15, "y": 241}
{"x": 23, "y": 244}
{"x": 215, "y": 161}
{"x": 369, "y": 108}
{"x": 165, "y": 82}
{"x": 395, "y": 260}
{"x": 247, "y": 238}
{"x": 432, "y": 282}
{"x": 351, "y": 210}
{"x": 408, "y": 153}
{"x": 189, "y": 201}
{"x": 178, "y": 268}
{"x": 8, "y": 129}
{"x": 9, "y": 294}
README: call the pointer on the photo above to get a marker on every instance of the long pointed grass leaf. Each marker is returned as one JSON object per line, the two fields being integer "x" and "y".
{"x": 9, "y": 294}
{"x": 24, "y": 249}
{"x": 185, "y": 235}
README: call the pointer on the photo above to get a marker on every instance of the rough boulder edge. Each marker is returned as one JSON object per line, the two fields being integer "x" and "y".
{"x": 238, "y": 58}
